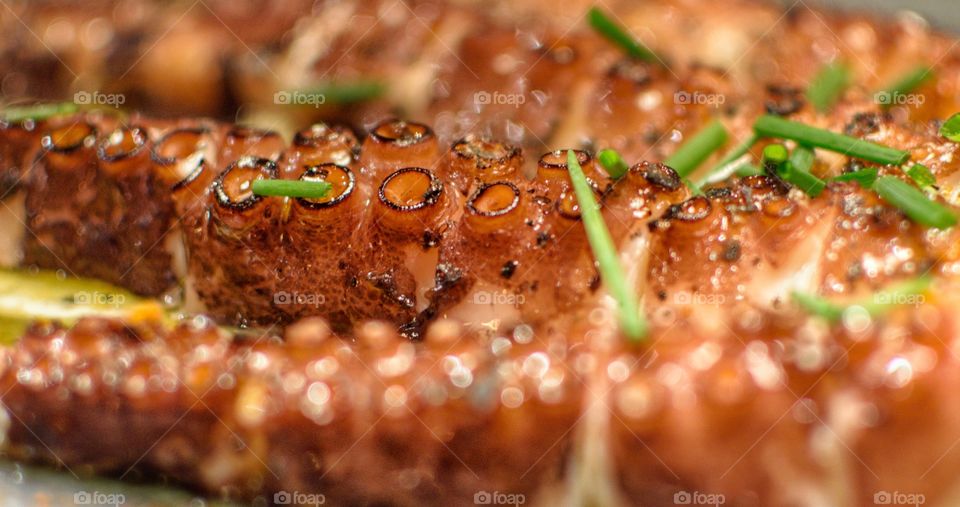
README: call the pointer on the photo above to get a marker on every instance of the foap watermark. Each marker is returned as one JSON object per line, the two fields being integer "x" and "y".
{"x": 696, "y": 298}
{"x": 498, "y": 498}
{"x": 298, "y": 298}
{"x": 698, "y": 498}
{"x": 498, "y": 298}
{"x": 894, "y": 298}
{"x": 95, "y": 98}
{"x": 698, "y": 98}
{"x": 99, "y": 298}
{"x": 899, "y": 498}
{"x": 298, "y": 498}
{"x": 899, "y": 99}
{"x": 98, "y": 498}
{"x": 484, "y": 98}
{"x": 296, "y": 98}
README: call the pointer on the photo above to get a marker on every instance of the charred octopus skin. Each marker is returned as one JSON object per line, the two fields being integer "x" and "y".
{"x": 92, "y": 193}
{"x": 313, "y": 413}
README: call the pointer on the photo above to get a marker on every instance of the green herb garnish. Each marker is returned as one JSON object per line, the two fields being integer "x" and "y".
{"x": 828, "y": 86}
{"x": 906, "y": 84}
{"x": 810, "y": 184}
{"x": 292, "y": 188}
{"x": 793, "y": 168}
{"x": 798, "y": 172}
{"x": 695, "y": 189}
{"x": 613, "y": 163}
{"x": 632, "y": 323}
{"x": 877, "y": 304}
{"x": 865, "y": 177}
{"x": 38, "y": 112}
{"x": 951, "y": 128}
{"x": 730, "y": 163}
{"x": 348, "y": 92}
{"x": 698, "y": 148}
{"x": 615, "y": 33}
{"x": 922, "y": 176}
{"x": 802, "y": 158}
{"x": 779, "y": 128}
{"x": 914, "y": 203}
{"x": 774, "y": 156}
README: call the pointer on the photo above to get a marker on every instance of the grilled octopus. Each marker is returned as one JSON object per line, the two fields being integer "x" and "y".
{"x": 440, "y": 329}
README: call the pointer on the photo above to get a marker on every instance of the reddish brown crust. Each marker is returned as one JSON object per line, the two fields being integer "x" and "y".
{"x": 379, "y": 421}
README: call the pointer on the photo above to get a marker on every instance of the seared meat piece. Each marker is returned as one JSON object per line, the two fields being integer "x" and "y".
{"x": 378, "y": 421}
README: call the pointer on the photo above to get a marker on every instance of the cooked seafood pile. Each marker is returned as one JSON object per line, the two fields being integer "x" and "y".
{"x": 439, "y": 325}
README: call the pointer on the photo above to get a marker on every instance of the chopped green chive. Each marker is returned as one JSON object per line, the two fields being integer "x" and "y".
{"x": 951, "y": 128}
{"x": 914, "y": 203}
{"x": 292, "y": 188}
{"x": 774, "y": 156}
{"x": 694, "y": 188}
{"x": 798, "y": 172}
{"x": 922, "y": 176}
{"x": 819, "y": 306}
{"x": 877, "y": 304}
{"x": 777, "y": 161}
{"x": 347, "y": 92}
{"x": 802, "y": 158}
{"x": 776, "y": 127}
{"x": 748, "y": 170}
{"x": 828, "y": 86}
{"x": 740, "y": 167}
{"x": 38, "y": 111}
{"x": 632, "y": 323}
{"x": 698, "y": 148}
{"x": 731, "y": 163}
{"x": 612, "y": 31}
{"x": 810, "y": 184}
{"x": 865, "y": 177}
{"x": 905, "y": 84}
{"x": 613, "y": 163}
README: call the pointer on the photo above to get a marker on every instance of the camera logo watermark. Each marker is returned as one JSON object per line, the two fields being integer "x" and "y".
{"x": 899, "y": 99}
{"x": 483, "y": 98}
{"x": 283, "y": 298}
{"x": 297, "y": 98}
{"x": 698, "y": 498}
{"x": 98, "y": 498}
{"x": 483, "y": 297}
{"x": 95, "y": 98}
{"x": 894, "y": 298}
{"x": 498, "y": 498}
{"x": 696, "y": 298}
{"x": 298, "y": 498}
{"x": 99, "y": 298}
{"x": 899, "y": 498}
{"x": 697, "y": 98}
